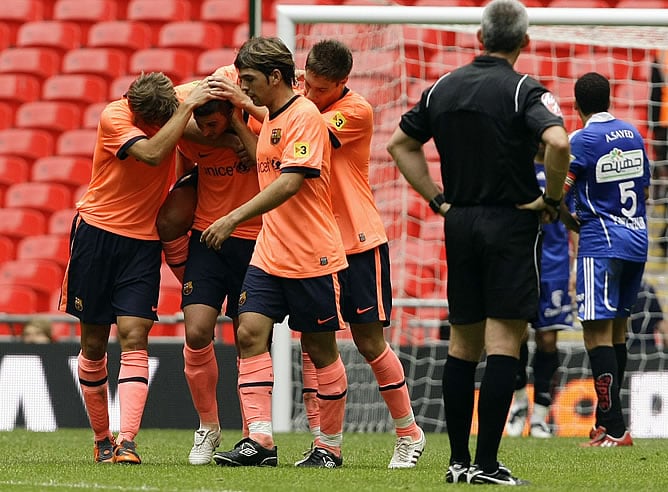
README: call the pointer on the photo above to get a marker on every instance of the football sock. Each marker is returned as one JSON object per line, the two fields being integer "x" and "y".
{"x": 332, "y": 389}
{"x": 458, "y": 395}
{"x": 201, "y": 370}
{"x": 392, "y": 385}
{"x": 176, "y": 254}
{"x": 244, "y": 424}
{"x": 621, "y": 352}
{"x": 604, "y": 370}
{"x": 521, "y": 377}
{"x": 545, "y": 364}
{"x": 94, "y": 386}
{"x": 132, "y": 392}
{"x": 496, "y": 393}
{"x": 256, "y": 381}
{"x": 309, "y": 394}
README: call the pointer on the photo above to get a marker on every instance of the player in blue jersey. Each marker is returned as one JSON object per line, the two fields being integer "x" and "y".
{"x": 554, "y": 314}
{"x": 609, "y": 179}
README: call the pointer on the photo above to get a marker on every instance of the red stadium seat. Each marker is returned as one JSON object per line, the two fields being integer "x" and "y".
{"x": 155, "y": 13}
{"x": 52, "y": 116}
{"x": 85, "y": 14}
{"x": 18, "y": 300}
{"x": 59, "y": 35}
{"x": 16, "y": 223}
{"x": 176, "y": 64}
{"x": 589, "y": 4}
{"x": 119, "y": 86}
{"x": 641, "y": 4}
{"x": 43, "y": 197}
{"x": 38, "y": 62}
{"x": 54, "y": 247}
{"x": 6, "y": 39}
{"x": 91, "y": 115}
{"x": 196, "y": 36}
{"x": 77, "y": 142}
{"x": 167, "y": 278}
{"x": 13, "y": 170}
{"x": 79, "y": 89}
{"x": 6, "y": 116}
{"x": 630, "y": 94}
{"x": 169, "y": 302}
{"x": 228, "y": 15}
{"x": 241, "y": 33}
{"x": 15, "y": 13}
{"x": 66, "y": 170}
{"x": 60, "y": 221}
{"x": 108, "y": 63}
{"x": 209, "y": 61}
{"x": 16, "y": 89}
{"x": 7, "y": 251}
{"x": 127, "y": 36}
{"x": 27, "y": 143}
{"x": 43, "y": 276}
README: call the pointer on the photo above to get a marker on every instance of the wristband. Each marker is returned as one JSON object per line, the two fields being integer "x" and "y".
{"x": 436, "y": 202}
{"x": 552, "y": 202}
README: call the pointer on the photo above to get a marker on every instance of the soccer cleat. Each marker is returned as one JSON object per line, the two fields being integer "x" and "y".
{"x": 594, "y": 431}
{"x": 602, "y": 439}
{"x": 501, "y": 476}
{"x": 407, "y": 451}
{"x": 205, "y": 443}
{"x": 247, "y": 453}
{"x": 320, "y": 458}
{"x": 126, "y": 452}
{"x": 456, "y": 473}
{"x": 517, "y": 419}
{"x": 104, "y": 450}
{"x": 541, "y": 430}
{"x": 306, "y": 453}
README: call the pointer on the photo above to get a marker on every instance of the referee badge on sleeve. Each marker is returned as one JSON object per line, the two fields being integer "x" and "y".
{"x": 551, "y": 104}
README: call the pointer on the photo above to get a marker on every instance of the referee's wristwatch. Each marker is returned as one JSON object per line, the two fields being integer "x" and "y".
{"x": 552, "y": 202}
{"x": 436, "y": 202}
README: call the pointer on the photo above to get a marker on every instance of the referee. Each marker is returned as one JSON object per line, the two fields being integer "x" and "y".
{"x": 487, "y": 121}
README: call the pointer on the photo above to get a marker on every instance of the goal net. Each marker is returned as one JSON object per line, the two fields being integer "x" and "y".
{"x": 399, "y": 52}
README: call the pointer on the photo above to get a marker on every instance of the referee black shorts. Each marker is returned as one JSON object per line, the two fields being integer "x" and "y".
{"x": 493, "y": 259}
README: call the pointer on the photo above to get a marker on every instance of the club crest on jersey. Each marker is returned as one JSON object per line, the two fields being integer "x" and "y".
{"x": 78, "y": 304}
{"x": 338, "y": 120}
{"x": 551, "y": 104}
{"x": 323, "y": 261}
{"x": 242, "y": 298}
{"x": 275, "y": 136}
{"x": 188, "y": 288}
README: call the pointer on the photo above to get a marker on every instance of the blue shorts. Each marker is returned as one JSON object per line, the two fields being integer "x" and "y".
{"x": 554, "y": 306}
{"x": 607, "y": 288}
{"x": 211, "y": 276}
{"x": 111, "y": 275}
{"x": 313, "y": 304}
{"x": 367, "y": 296}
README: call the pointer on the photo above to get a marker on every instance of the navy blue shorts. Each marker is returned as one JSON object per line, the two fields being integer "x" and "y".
{"x": 111, "y": 275}
{"x": 493, "y": 257}
{"x": 212, "y": 276}
{"x": 313, "y": 304}
{"x": 367, "y": 293}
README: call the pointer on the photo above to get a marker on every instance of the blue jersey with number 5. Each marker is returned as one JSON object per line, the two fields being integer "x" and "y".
{"x": 608, "y": 174}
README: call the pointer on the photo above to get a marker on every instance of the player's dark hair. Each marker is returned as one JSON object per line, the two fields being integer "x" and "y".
{"x": 266, "y": 55}
{"x": 222, "y": 106}
{"x": 592, "y": 93}
{"x": 504, "y": 25}
{"x": 152, "y": 97}
{"x": 330, "y": 59}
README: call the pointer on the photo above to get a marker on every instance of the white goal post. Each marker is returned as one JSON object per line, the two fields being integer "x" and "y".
{"x": 415, "y": 334}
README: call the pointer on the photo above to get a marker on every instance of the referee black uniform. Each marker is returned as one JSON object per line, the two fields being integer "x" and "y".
{"x": 486, "y": 121}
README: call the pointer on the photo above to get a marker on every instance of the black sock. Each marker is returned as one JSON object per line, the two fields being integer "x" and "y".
{"x": 521, "y": 378}
{"x": 496, "y": 393}
{"x": 458, "y": 397}
{"x": 621, "y": 352}
{"x": 608, "y": 408}
{"x": 545, "y": 364}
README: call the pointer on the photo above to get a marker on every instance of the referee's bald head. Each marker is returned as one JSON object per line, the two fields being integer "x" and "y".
{"x": 504, "y": 26}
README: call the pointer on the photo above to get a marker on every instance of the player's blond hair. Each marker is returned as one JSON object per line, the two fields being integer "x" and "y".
{"x": 266, "y": 55}
{"x": 152, "y": 97}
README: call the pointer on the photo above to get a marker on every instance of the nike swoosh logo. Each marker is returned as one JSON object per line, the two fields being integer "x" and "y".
{"x": 202, "y": 155}
{"x": 361, "y": 311}
{"x": 323, "y": 321}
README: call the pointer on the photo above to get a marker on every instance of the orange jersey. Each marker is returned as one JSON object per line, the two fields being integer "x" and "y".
{"x": 223, "y": 184}
{"x": 299, "y": 238}
{"x": 350, "y": 120}
{"x": 124, "y": 193}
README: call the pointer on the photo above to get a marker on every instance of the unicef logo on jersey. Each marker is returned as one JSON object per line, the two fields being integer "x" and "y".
{"x": 619, "y": 164}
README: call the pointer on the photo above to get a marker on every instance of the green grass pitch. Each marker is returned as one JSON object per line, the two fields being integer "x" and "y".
{"x": 62, "y": 460}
